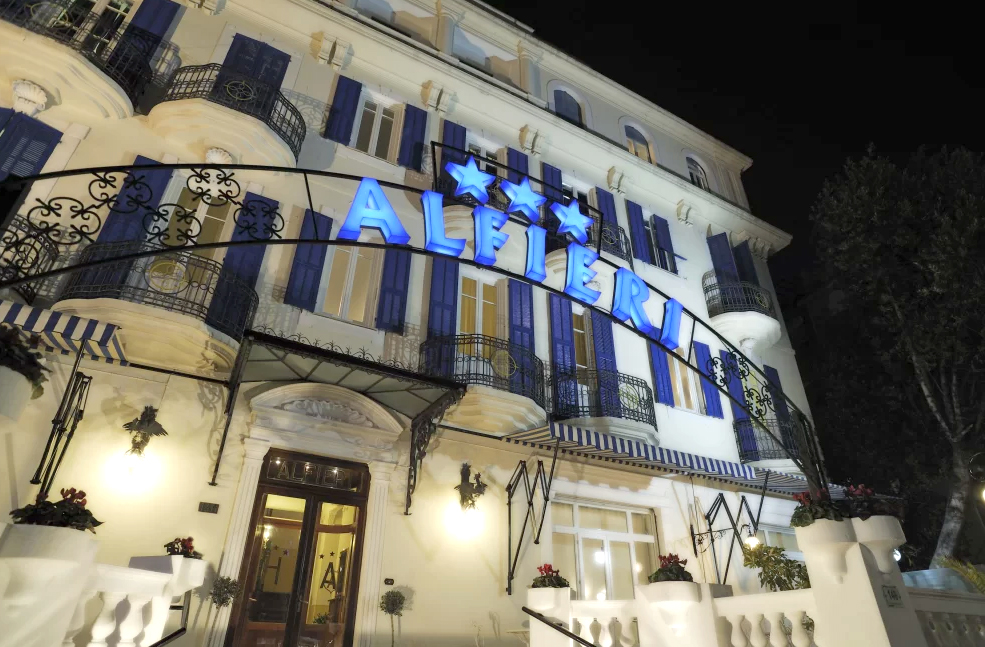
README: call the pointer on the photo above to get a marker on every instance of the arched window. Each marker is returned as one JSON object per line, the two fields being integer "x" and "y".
{"x": 567, "y": 107}
{"x": 697, "y": 173}
{"x": 637, "y": 143}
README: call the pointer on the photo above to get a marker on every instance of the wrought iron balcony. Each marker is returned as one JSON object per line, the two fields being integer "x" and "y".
{"x": 614, "y": 241}
{"x": 479, "y": 359}
{"x": 756, "y": 445}
{"x": 176, "y": 281}
{"x": 130, "y": 56}
{"x": 597, "y": 393}
{"x": 242, "y": 93}
{"x": 729, "y": 294}
{"x": 33, "y": 253}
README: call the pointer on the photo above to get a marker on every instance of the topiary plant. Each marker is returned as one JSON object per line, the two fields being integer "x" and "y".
{"x": 392, "y": 604}
{"x": 224, "y": 591}
{"x": 671, "y": 570}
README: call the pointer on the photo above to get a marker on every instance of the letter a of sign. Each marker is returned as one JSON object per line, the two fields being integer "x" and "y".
{"x": 370, "y": 208}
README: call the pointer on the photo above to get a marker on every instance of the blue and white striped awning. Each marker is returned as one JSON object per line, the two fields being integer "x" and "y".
{"x": 597, "y": 444}
{"x": 64, "y": 333}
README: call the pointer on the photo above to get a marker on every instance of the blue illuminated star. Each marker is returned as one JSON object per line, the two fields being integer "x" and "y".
{"x": 470, "y": 179}
{"x": 523, "y": 199}
{"x": 572, "y": 221}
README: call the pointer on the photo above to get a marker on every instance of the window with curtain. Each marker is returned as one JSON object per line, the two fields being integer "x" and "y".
{"x": 687, "y": 384}
{"x": 637, "y": 144}
{"x": 351, "y": 280}
{"x": 604, "y": 551}
{"x": 375, "y": 130}
{"x": 479, "y": 313}
{"x": 697, "y": 173}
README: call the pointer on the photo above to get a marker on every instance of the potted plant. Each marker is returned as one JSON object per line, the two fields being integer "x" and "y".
{"x": 224, "y": 591}
{"x": 549, "y": 593}
{"x": 671, "y": 570}
{"x": 22, "y": 376}
{"x": 182, "y": 548}
{"x": 392, "y": 603}
{"x": 876, "y": 526}
{"x": 672, "y": 591}
{"x": 823, "y": 530}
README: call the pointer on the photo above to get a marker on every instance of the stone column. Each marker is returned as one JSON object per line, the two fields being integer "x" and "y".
{"x": 239, "y": 528}
{"x": 444, "y": 39}
{"x": 528, "y": 68}
{"x": 371, "y": 575}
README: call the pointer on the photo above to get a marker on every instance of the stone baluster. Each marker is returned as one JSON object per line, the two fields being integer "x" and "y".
{"x": 132, "y": 623}
{"x": 798, "y": 634}
{"x": 757, "y": 637}
{"x": 778, "y": 637}
{"x": 160, "y": 607}
{"x": 738, "y": 637}
{"x": 105, "y": 623}
{"x": 78, "y": 619}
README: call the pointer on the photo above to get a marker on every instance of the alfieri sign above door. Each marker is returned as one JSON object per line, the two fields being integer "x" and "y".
{"x": 371, "y": 209}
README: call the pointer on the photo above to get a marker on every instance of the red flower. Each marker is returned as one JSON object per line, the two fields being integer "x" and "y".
{"x": 803, "y": 498}
{"x": 670, "y": 560}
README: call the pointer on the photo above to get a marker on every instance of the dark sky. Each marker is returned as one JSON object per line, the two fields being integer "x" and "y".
{"x": 796, "y": 92}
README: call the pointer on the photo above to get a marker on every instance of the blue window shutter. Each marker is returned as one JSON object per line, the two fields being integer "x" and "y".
{"x": 127, "y": 222}
{"x": 713, "y": 399}
{"x": 522, "y": 334}
{"x": 744, "y": 427}
{"x": 412, "y": 138}
{"x": 605, "y": 363}
{"x": 309, "y": 261}
{"x": 552, "y": 182}
{"x": 343, "y": 111}
{"x": 563, "y": 358}
{"x": 5, "y": 114}
{"x": 665, "y": 247}
{"x": 637, "y": 230}
{"x": 25, "y": 146}
{"x": 442, "y": 315}
{"x": 517, "y": 162}
{"x": 661, "y": 374}
{"x": 721, "y": 258}
{"x": 155, "y": 16}
{"x": 391, "y": 309}
{"x": 453, "y": 136}
{"x": 228, "y": 304}
{"x": 257, "y": 60}
{"x": 744, "y": 264}
{"x": 607, "y": 205}
{"x": 567, "y": 107}
{"x": 780, "y": 407}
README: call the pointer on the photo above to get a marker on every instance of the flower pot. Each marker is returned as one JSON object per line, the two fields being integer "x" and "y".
{"x": 186, "y": 573}
{"x": 824, "y": 544}
{"x": 548, "y": 601}
{"x": 673, "y": 601}
{"x": 881, "y": 534}
{"x": 15, "y": 392}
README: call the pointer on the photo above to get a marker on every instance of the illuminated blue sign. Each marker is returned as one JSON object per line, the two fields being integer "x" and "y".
{"x": 370, "y": 208}
{"x": 572, "y": 220}
{"x": 580, "y": 259}
{"x": 435, "y": 239}
{"x": 523, "y": 199}
{"x": 470, "y": 179}
{"x": 488, "y": 237}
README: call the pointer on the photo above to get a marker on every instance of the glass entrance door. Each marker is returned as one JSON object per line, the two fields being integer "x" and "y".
{"x": 300, "y": 571}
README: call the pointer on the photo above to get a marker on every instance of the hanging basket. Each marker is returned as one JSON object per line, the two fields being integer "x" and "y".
{"x": 15, "y": 391}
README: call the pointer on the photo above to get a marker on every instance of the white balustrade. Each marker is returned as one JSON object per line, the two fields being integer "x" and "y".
{"x": 950, "y": 618}
{"x": 768, "y": 619}
{"x": 605, "y": 623}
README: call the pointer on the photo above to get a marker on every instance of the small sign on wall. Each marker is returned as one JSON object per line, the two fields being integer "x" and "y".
{"x": 892, "y": 596}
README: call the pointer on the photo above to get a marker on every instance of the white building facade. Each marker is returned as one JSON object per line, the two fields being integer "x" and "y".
{"x": 293, "y": 229}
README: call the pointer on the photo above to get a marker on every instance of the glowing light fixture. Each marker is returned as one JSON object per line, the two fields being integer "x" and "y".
{"x": 897, "y": 555}
{"x": 600, "y": 559}
{"x": 751, "y": 541}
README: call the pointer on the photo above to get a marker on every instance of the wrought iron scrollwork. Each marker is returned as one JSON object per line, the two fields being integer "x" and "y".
{"x": 422, "y": 429}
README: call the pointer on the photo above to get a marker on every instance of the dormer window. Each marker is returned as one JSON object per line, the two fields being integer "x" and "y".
{"x": 567, "y": 107}
{"x": 637, "y": 144}
{"x": 698, "y": 176}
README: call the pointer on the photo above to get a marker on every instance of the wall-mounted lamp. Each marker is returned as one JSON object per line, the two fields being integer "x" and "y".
{"x": 469, "y": 491}
{"x": 141, "y": 430}
{"x": 750, "y": 540}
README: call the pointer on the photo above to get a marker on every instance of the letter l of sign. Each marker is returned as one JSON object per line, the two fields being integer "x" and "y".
{"x": 435, "y": 239}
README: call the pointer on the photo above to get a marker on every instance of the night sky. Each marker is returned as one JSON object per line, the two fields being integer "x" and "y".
{"x": 796, "y": 92}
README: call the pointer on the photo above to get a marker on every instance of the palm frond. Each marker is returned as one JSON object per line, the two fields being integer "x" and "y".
{"x": 973, "y": 576}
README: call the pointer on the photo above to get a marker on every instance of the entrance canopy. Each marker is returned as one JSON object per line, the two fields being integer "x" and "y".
{"x": 606, "y": 447}
{"x": 64, "y": 333}
{"x": 399, "y": 388}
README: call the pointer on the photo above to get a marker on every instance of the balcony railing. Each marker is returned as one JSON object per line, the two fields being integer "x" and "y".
{"x": 177, "y": 281}
{"x": 479, "y": 359}
{"x": 131, "y": 57}
{"x": 756, "y": 445}
{"x": 728, "y": 294}
{"x": 597, "y": 393}
{"x": 33, "y": 250}
{"x": 242, "y": 93}
{"x": 614, "y": 241}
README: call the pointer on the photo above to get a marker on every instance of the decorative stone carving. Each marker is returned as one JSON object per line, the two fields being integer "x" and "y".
{"x": 211, "y": 7}
{"x": 759, "y": 247}
{"x": 325, "y": 410}
{"x": 531, "y": 141}
{"x": 29, "y": 97}
{"x": 218, "y": 156}
{"x": 330, "y": 50}
{"x": 436, "y": 97}
{"x": 616, "y": 179}
{"x": 686, "y": 213}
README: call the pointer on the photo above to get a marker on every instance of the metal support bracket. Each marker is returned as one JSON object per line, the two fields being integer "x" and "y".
{"x": 541, "y": 481}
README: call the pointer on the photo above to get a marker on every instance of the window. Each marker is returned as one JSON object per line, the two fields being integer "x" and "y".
{"x": 665, "y": 258}
{"x": 637, "y": 144}
{"x": 697, "y": 173}
{"x": 579, "y": 323}
{"x": 350, "y": 285}
{"x": 212, "y": 218}
{"x": 571, "y": 193}
{"x": 604, "y": 552}
{"x": 783, "y": 538}
{"x": 567, "y": 107}
{"x": 375, "y": 130}
{"x": 688, "y": 394}
{"x": 479, "y": 312}
{"x": 480, "y": 152}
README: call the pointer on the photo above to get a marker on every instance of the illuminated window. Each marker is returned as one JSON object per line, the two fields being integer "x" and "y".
{"x": 374, "y": 134}
{"x": 687, "y": 384}
{"x": 479, "y": 314}
{"x": 349, "y": 287}
{"x": 637, "y": 144}
{"x": 603, "y": 552}
{"x": 782, "y": 538}
{"x": 697, "y": 173}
